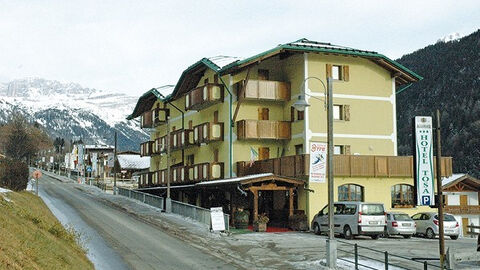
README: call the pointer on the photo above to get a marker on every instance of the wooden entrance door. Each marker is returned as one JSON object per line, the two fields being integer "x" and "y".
{"x": 463, "y": 200}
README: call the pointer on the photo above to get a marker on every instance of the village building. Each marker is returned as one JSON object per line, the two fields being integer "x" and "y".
{"x": 461, "y": 199}
{"x": 237, "y": 141}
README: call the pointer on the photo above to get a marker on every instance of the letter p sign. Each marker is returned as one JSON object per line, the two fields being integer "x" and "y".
{"x": 425, "y": 200}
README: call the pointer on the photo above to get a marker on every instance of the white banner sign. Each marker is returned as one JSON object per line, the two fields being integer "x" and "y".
{"x": 318, "y": 162}
{"x": 217, "y": 218}
{"x": 424, "y": 160}
{"x": 51, "y": 159}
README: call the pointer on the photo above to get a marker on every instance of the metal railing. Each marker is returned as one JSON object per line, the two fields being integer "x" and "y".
{"x": 384, "y": 257}
{"x": 199, "y": 214}
{"x": 155, "y": 201}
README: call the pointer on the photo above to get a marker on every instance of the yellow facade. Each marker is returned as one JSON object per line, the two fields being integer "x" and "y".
{"x": 368, "y": 93}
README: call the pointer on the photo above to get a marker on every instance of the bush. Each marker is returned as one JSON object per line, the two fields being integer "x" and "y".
{"x": 13, "y": 174}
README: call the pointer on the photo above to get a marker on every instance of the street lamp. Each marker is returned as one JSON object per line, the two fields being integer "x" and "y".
{"x": 300, "y": 105}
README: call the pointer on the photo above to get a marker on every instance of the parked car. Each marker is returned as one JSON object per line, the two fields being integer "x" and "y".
{"x": 353, "y": 218}
{"x": 399, "y": 223}
{"x": 427, "y": 225}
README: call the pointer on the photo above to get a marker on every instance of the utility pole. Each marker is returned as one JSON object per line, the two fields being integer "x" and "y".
{"x": 441, "y": 233}
{"x": 114, "y": 171}
{"x": 331, "y": 244}
{"x": 168, "y": 202}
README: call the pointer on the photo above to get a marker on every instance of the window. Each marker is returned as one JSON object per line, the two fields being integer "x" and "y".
{"x": 263, "y": 113}
{"x": 402, "y": 196}
{"x": 190, "y": 124}
{"x": 300, "y": 115}
{"x": 190, "y": 160}
{"x": 337, "y": 112}
{"x": 337, "y": 72}
{"x": 350, "y": 192}
{"x": 298, "y": 149}
{"x": 263, "y": 153}
{"x": 338, "y": 150}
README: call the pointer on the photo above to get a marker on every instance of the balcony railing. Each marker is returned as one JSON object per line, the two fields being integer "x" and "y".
{"x": 182, "y": 138}
{"x": 344, "y": 166}
{"x": 145, "y": 180}
{"x": 187, "y": 174}
{"x": 462, "y": 209}
{"x": 263, "y": 129}
{"x": 208, "y": 132}
{"x": 146, "y": 148}
{"x": 204, "y": 96}
{"x": 264, "y": 90}
{"x": 153, "y": 118}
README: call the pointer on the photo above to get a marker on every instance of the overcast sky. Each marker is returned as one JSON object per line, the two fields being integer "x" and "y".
{"x": 132, "y": 46}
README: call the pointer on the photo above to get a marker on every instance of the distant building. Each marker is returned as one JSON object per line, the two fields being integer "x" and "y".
{"x": 462, "y": 195}
{"x": 130, "y": 163}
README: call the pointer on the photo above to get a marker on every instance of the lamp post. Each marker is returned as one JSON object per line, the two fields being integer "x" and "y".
{"x": 300, "y": 105}
{"x": 115, "y": 171}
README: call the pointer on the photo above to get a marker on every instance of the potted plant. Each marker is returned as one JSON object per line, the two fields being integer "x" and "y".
{"x": 241, "y": 218}
{"x": 260, "y": 225}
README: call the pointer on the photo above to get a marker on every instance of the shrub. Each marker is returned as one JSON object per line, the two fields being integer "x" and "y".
{"x": 13, "y": 174}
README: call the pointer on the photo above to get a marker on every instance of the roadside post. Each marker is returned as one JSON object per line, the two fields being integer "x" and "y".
{"x": 36, "y": 175}
{"x": 441, "y": 233}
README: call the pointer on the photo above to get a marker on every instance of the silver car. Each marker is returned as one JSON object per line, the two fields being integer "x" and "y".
{"x": 427, "y": 225}
{"x": 399, "y": 224}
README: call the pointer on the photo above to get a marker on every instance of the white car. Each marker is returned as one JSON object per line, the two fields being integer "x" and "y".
{"x": 427, "y": 225}
{"x": 353, "y": 218}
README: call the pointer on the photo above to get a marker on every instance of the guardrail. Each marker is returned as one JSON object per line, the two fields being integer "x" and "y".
{"x": 384, "y": 257}
{"x": 194, "y": 212}
{"x": 155, "y": 201}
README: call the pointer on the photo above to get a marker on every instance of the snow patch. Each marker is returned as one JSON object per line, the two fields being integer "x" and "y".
{"x": 450, "y": 37}
{"x": 4, "y": 190}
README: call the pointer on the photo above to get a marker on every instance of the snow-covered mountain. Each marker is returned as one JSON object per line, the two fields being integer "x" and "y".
{"x": 69, "y": 110}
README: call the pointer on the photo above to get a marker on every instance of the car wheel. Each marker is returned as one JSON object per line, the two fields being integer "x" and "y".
{"x": 347, "y": 232}
{"x": 430, "y": 234}
{"x": 454, "y": 237}
{"x": 316, "y": 229}
{"x": 408, "y": 236}
{"x": 375, "y": 236}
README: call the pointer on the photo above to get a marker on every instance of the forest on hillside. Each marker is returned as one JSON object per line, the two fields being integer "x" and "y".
{"x": 451, "y": 84}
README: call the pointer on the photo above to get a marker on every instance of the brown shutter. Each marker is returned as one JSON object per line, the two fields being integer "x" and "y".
{"x": 215, "y": 117}
{"x": 347, "y": 150}
{"x": 263, "y": 113}
{"x": 346, "y": 112}
{"x": 292, "y": 114}
{"x": 263, "y": 153}
{"x": 329, "y": 70}
{"x": 346, "y": 73}
{"x": 190, "y": 124}
{"x": 215, "y": 155}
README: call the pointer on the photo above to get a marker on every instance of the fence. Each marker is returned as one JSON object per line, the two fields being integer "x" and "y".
{"x": 196, "y": 213}
{"x": 383, "y": 257}
{"x": 149, "y": 199}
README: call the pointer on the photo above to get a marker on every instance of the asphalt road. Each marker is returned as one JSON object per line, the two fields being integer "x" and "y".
{"x": 116, "y": 240}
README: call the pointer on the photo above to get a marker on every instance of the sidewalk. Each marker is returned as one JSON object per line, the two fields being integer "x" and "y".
{"x": 286, "y": 250}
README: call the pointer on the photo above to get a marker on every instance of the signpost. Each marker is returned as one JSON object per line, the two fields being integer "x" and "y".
{"x": 217, "y": 219}
{"x": 424, "y": 179}
{"x": 318, "y": 162}
{"x": 36, "y": 175}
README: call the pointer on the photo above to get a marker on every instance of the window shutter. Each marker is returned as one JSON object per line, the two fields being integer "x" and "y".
{"x": 346, "y": 112}
{"x": 329, "y": 70}
{"x": 292, "y": 114}
{"x": 346, "y": 73}
{"x": 347, "y": 149}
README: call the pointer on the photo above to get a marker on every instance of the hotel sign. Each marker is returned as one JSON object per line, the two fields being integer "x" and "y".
{"x": 424, "y": 161}
{"x": 318, "y": 162}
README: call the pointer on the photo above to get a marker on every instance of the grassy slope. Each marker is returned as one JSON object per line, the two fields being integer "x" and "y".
{"x": 32, "y": 238}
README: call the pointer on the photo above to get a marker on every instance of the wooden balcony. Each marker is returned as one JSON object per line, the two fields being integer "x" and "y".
{"x": 462, "y": 209}
{"x": 263, "y": 129}
{"x": 263, "y": 90}
{"x": 145, "y": 180}
{"x": 208, "y": 132}
{"x": 187, "y": 174}
{"x": 181, "y": 139}
{"x": 153, "y": 118}
{"x": 146, "y": 148}
{"x": 204, "y": 96}
{"x": 344, "y": 166}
